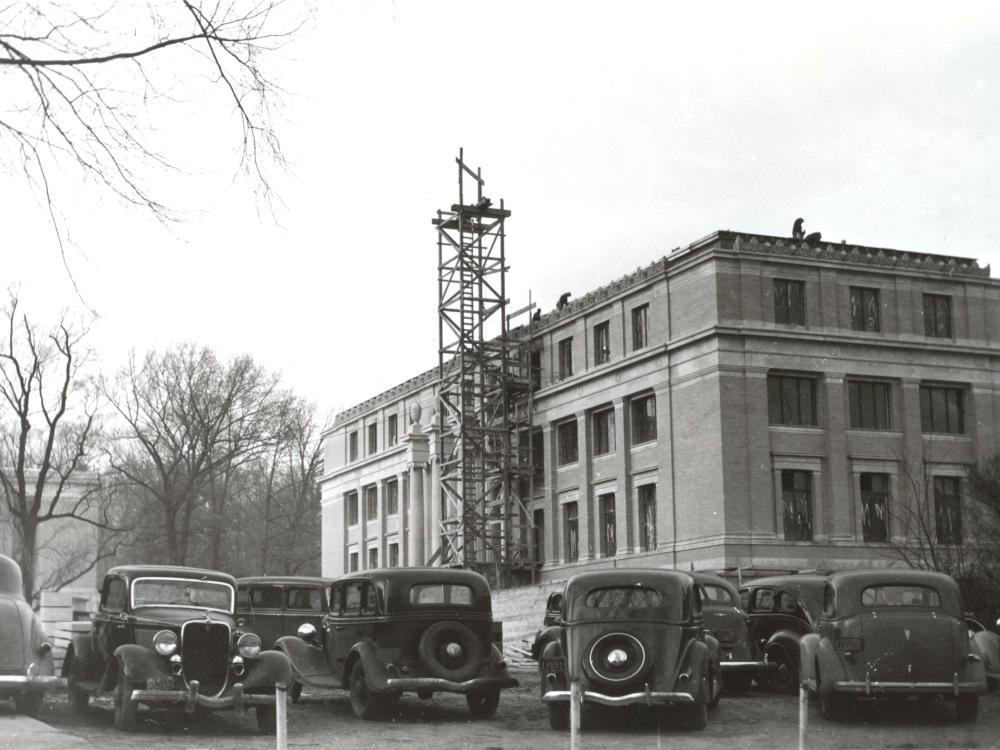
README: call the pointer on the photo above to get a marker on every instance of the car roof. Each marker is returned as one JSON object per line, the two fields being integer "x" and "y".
{"x": 10, "y": 577}
{"x": 807, "y": 587}
{"x": 131, "y": 572}
{"x": 418, "y": 575}
{"x": 851, "y": 583}
{"x": 713, "y": 579}
{"x": 300, "y": 580}
{"x": 627, "y": 577}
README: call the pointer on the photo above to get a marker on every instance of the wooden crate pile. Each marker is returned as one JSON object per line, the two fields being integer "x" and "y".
{"x": 62, "y": 615}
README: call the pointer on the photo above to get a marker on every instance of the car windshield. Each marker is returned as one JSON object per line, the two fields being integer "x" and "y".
{"x": 900, "y": 595}
{"x": 717, "y": 595}
{"x": 440, "y": 593}
{"x": 182, "y": 592}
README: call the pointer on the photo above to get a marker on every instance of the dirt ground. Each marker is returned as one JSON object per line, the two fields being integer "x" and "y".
{"x": 323, "y": 719}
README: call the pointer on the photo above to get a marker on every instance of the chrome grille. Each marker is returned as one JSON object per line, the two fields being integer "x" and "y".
{"x": 205, "y": 651}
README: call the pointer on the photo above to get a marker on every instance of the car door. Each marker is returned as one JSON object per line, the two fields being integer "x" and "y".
{"x": 760, "y": 611}
{"x": 342, "y": 624}
{"x": 263, "y": 613}
{"x": 303, "y": 604}
{"x": 111, "y": 626}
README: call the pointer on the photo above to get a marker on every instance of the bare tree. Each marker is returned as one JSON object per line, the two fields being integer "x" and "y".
{"x": 47, "y": 432}
{"x": 89, "y": 88}
{"x": 189, "y": 421}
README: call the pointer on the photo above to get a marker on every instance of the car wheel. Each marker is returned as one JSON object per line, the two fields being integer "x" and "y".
{"x": 784, "y": 678}
{"x": 29, "y": 703}
{"x": 966, "y": 707}
{"x": 831, "y": 705}
{"x": 450, "y": 650}
{"x": 715, "y": 691}
{"x": 737, "y": 684}
{"x": 296, "y": 692}
{"x": 125, "y": 709}
{"x": 267, "y": 719}
{"x": 364, "y": 702}
{"x": 483, "y": 703}
{"x": 696, "y": 714}
{"x": 558, "y": 716}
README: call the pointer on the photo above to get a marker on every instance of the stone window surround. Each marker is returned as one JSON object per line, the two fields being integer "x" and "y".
{"x": 861, "y": 466}
{"x": 812, "y": 464}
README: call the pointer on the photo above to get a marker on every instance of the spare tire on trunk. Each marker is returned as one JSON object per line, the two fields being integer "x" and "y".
{"x": 450, "y": 650}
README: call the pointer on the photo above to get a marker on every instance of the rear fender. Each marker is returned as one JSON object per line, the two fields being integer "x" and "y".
{"x": 269, "y": 668}
{"x": 552, "y": 650}
{"x": 784, "y": 642}
{"x": 79, "y": 653}
{"x": 306, "y": 660}
{"x": 693, "y": 663}
{"x": 374, "y": 669}
{"x": 808, "y": 650}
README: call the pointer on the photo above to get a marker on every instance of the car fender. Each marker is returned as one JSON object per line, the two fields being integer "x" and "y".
{"x": 306, "y": 660}
{"x": 375, "y": 675}
{"x": 542, "y": 637}
{"x": 80, "y": 653}
{"x": 693, "y": 662}
{"x": 988, "y": 644}
{"x": 269, "y": 668}
{"x": 552, "y": 650}
{"x": 808, "y": 650}
{"x": 137, "y": 662}
{"x": 832, "y": 667}
{"x": 783, "y": 640}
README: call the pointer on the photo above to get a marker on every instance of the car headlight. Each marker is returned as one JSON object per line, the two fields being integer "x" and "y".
{"x": 248, "y": 645}
{"x": 165, "y": 642}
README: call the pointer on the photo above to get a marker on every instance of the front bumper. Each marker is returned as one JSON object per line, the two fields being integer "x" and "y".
{"x": 235, "y": 699}
{"x": 30, "y": 682}
{"x": 439, "y": 684}
{"x": 743, "y": 666}
{"x": 892, "y": 687}
{"x": 644, "y": 698}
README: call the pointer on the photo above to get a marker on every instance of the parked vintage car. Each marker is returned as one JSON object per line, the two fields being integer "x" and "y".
{"x": 988, "y": 643}
{"x": 739, "y": 655}
{"x": 632, "y": 637}
{"x": 550, "y": 624}
{"x": 167, "y": 636}
{"x": 397, "y": 630}
{"x": 26, "y": 669}
{"x": 273, "y": 606}
{"x": 782, "y": 609}
{"x": 892, "y": 634}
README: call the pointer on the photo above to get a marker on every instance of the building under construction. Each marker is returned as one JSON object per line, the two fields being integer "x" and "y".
{"x": 764, "y": 402}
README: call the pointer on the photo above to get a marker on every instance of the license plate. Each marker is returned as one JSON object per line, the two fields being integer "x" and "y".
{"x": 552, "y": 665}
{"x": 160, "y": 683}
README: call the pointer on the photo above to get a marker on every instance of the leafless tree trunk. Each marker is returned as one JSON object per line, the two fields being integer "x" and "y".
{"x": 48, "y": 408}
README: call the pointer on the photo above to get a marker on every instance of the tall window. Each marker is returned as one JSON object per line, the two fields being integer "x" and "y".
{"x": 538, "y": 534}
{"x": 937, "y": 315}
{"x": 796, "y": 495}
{"x": 602, "y": 343}
{"x": 865, "y": 309}
{"x": 870, "y": 405}
{"x": 372, "y": 438}
{"x": 392, "y": 497}
{"x": 567, "y": 445}
{"x": 640, "y": 326}
{"x": 647, "y": 517}
{"x": 789, "y": 302}
{"x": 394, "y": 555}
{"x": 352, "y": 564}
{"x": 572, "y": 532}
{"x": 604, "y": 432}
{"x": 372, "y": 557}
{"x": 535, "y": 367}
{"x": 352, "y": 508}
{"x": 538, "y": 456}
{"x": 948, "y": 510}
{"x": 608, "y": 539}
{"x": 875, "y": 507}
{"x": 352, "y": 446}
{"x": 371, "y": 502}
{"x": 942, "y": 409}
{"x": 565, "y": 358}
{"x": 391, "y": 430}
{"x": 791, "y": 400}
{"x": 643, "y": 413}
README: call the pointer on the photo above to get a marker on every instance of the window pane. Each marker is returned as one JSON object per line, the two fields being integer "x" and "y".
{"x": 874, "y": 507}
{"x": 796, "y": 492}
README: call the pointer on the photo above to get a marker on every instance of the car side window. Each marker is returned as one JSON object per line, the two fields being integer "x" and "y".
{"x": 336, "y": 598}
{"x": 352, "y": 599}
{"x": 786, "y": 602}
{"x": 828, "y": 610}
{"x": 265, "y": 597}
{"x": 242, "y": 597}
{"x": 115, "y": 595}
{"x": 764, "y": 600}
{"x": 302, "y": 598}
{"x": 745, "y": 599}
{"x": 369, "y": 600}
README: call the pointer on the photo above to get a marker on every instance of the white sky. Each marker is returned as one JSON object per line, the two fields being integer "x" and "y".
{"x": 614, "y": 132}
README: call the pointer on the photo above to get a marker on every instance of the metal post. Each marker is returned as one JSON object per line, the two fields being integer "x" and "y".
{"x": 803, "y": 715}
{"x": 281, "y": 715}
{"x": 574, "y": 713}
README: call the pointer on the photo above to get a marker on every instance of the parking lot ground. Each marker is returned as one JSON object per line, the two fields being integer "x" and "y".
{"x": 323, "y": 719}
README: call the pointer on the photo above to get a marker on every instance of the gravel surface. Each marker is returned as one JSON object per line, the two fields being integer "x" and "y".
{"x": 323, "y": 719}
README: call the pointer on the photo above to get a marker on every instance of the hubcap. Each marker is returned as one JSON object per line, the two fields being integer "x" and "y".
{"x": 453, "y": 650}
{"x": 617, "y": 657}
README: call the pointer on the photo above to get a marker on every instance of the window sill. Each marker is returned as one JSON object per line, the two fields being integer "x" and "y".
{"x": 643, "y": 444}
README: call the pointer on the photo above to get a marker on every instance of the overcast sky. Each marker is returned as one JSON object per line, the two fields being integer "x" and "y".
{"x": 614, "y": 132}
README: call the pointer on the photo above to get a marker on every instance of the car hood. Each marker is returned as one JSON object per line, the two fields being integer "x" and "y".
{"x": 177, "y": 616}
{"x": 15, "y": 644}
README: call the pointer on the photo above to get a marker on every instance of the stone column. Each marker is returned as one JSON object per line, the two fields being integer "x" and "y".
{"x": 623, "y": 495}
{"x": 416, "y": 458}
{"x": 433, "y": 494}
{"x": 666, "y": 502}
{"x": 833, "y": 509}
{"x": 585, "y": 520}
{"x": 404, "y": 518}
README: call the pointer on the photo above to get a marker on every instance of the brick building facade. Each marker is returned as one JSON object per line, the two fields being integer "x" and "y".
{"x": 747, "y": 401}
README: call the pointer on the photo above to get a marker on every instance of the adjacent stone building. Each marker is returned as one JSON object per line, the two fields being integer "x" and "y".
{"x": 748, "y": 401}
